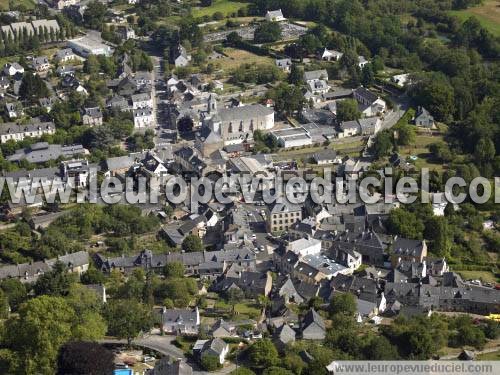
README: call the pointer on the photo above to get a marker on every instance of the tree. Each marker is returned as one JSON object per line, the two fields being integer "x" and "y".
{"x": 127, "y": 318}
{"x": 85, "y": 358}
{"x": 347, "y": 110}
{"x": 343, "y": 303}
{"x": 276, "y": 371}
{"x": 33, "y": 88}
{"x": 406, "y": 134}
{"x": 233, "y": 38}
{"x": 405, "y": 224}
{"x": 210, "y": 362}
{"x": 380, "y": 349}
{"x": 439, "y": 235}
{"x": 367, "y": 75}
{"x": 287, "y": 98}
{"x": 94, "y": 15}
{"x": 263, "y": 353}
{"x": 88, "y": 324}
{"x": 267, "y": 32}
{"x": 484, "y": 151}
{"x": 234, "y": 295}
{"x": 242, "y": 371}
{"x": 173, "y": 270}
{"x": 434, "y": 92}
{"x": 4, "y": 305}
{"x": 383, "y": 144}
{"x": 294, "y": 362}
{"x": 44, "y": 324}
{"x": 92, "y": 276}
{"x": 15, "y": 291}
{"x": 55, "y": 282}
{"x": 296, "y": 75}
{"x": 192, "y": 243}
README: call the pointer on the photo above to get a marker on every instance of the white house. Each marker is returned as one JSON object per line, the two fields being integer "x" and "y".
{"x": 65, "y": 55}
{"x": 284, "y": 64}
{"x": 401, "y": 79}
{"x": 143, "y": 100}
{"x": 275, "y": 16}
{"x": 143, "y": 117}
{"x": 13, "y": 69}
{"x": 40, "y": 64}
{"x": 303, "y": 247}
{"x": 215, "y": 347}
{"x": 13, "y": 110}
{"x": 331, "y": 55}
{"x": 19, "y": 132}
{"x": 362, "y": 61}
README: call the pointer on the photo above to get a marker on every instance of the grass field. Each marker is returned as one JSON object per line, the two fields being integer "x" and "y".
{"x": 226, "y": 7}
{"x": 494, "y": 356}
{"x": 488, "y": 14}
{"x": 4, "y": 4}
{"x": 236, "y": 57}
{"x": 484, "y": 276}
{"x": 420, "y": 149}
{"x": 306, "y": 152}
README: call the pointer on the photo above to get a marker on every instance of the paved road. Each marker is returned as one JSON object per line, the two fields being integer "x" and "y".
{"x": 161, "y": 344}
{"x": 164, "y": 346}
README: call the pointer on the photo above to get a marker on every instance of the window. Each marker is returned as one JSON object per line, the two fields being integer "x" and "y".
{"x": 230, "y": 128}
{"x": 241, "y": 126}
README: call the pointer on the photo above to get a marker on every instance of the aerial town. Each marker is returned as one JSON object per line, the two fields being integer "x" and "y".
{"x": 195, "y": 238}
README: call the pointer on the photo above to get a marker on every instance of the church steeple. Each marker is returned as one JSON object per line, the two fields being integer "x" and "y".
{"x": 212, "y": 104}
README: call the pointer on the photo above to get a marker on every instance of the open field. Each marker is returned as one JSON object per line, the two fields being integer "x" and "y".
{"x": 236, "y": 57}
{"x": 4, "y": 4}
{"x": 494, "y": 356}
{"x": 484, "y": 276}
{"x": 351, "y": 148}
{"x": 488, "y": 14}
{"x": 420, "y": 149}
{"x": 226, "y": 7}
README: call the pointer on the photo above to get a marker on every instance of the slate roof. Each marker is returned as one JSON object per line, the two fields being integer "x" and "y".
{"x": 323, "y": 155}
{"x": 246, "y": 112}
{"x": 178, "y": 315}
{"x": 315, "y": 75}
{"x": 168, "y": 366}
{"x": 13, "y": 128}
{"x": 366, "y": 94}
{"x": 284, "y": 334}
{"x": 405, "y": 246}
{"x": 284, "y": 207}
{"x": 41, "y": 152}
{"x": 312, "y": 317}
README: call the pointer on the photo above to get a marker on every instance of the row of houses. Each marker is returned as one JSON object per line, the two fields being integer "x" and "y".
{"x": 29, "y": 272}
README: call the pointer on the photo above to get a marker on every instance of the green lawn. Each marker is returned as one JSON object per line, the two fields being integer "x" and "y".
{"x": 4, "y": 4}
{"x": 226, "y": 7}
{"x": 484, "y": 276}
{"x": 494, "y": 356}
{"x": 488, "y": 15}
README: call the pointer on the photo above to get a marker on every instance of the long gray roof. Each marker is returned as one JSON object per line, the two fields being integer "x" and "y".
{"x": 244, "y": 113}
{"x": 13, "y": 128}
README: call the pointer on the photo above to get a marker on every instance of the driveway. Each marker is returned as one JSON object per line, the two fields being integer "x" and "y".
{"x": 161, "y": 344}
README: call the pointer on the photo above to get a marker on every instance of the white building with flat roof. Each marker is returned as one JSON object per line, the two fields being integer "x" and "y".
{"x": 304, "y": 247}
{"x": 85, "y": 46}
{"x": 292, "y": 137}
